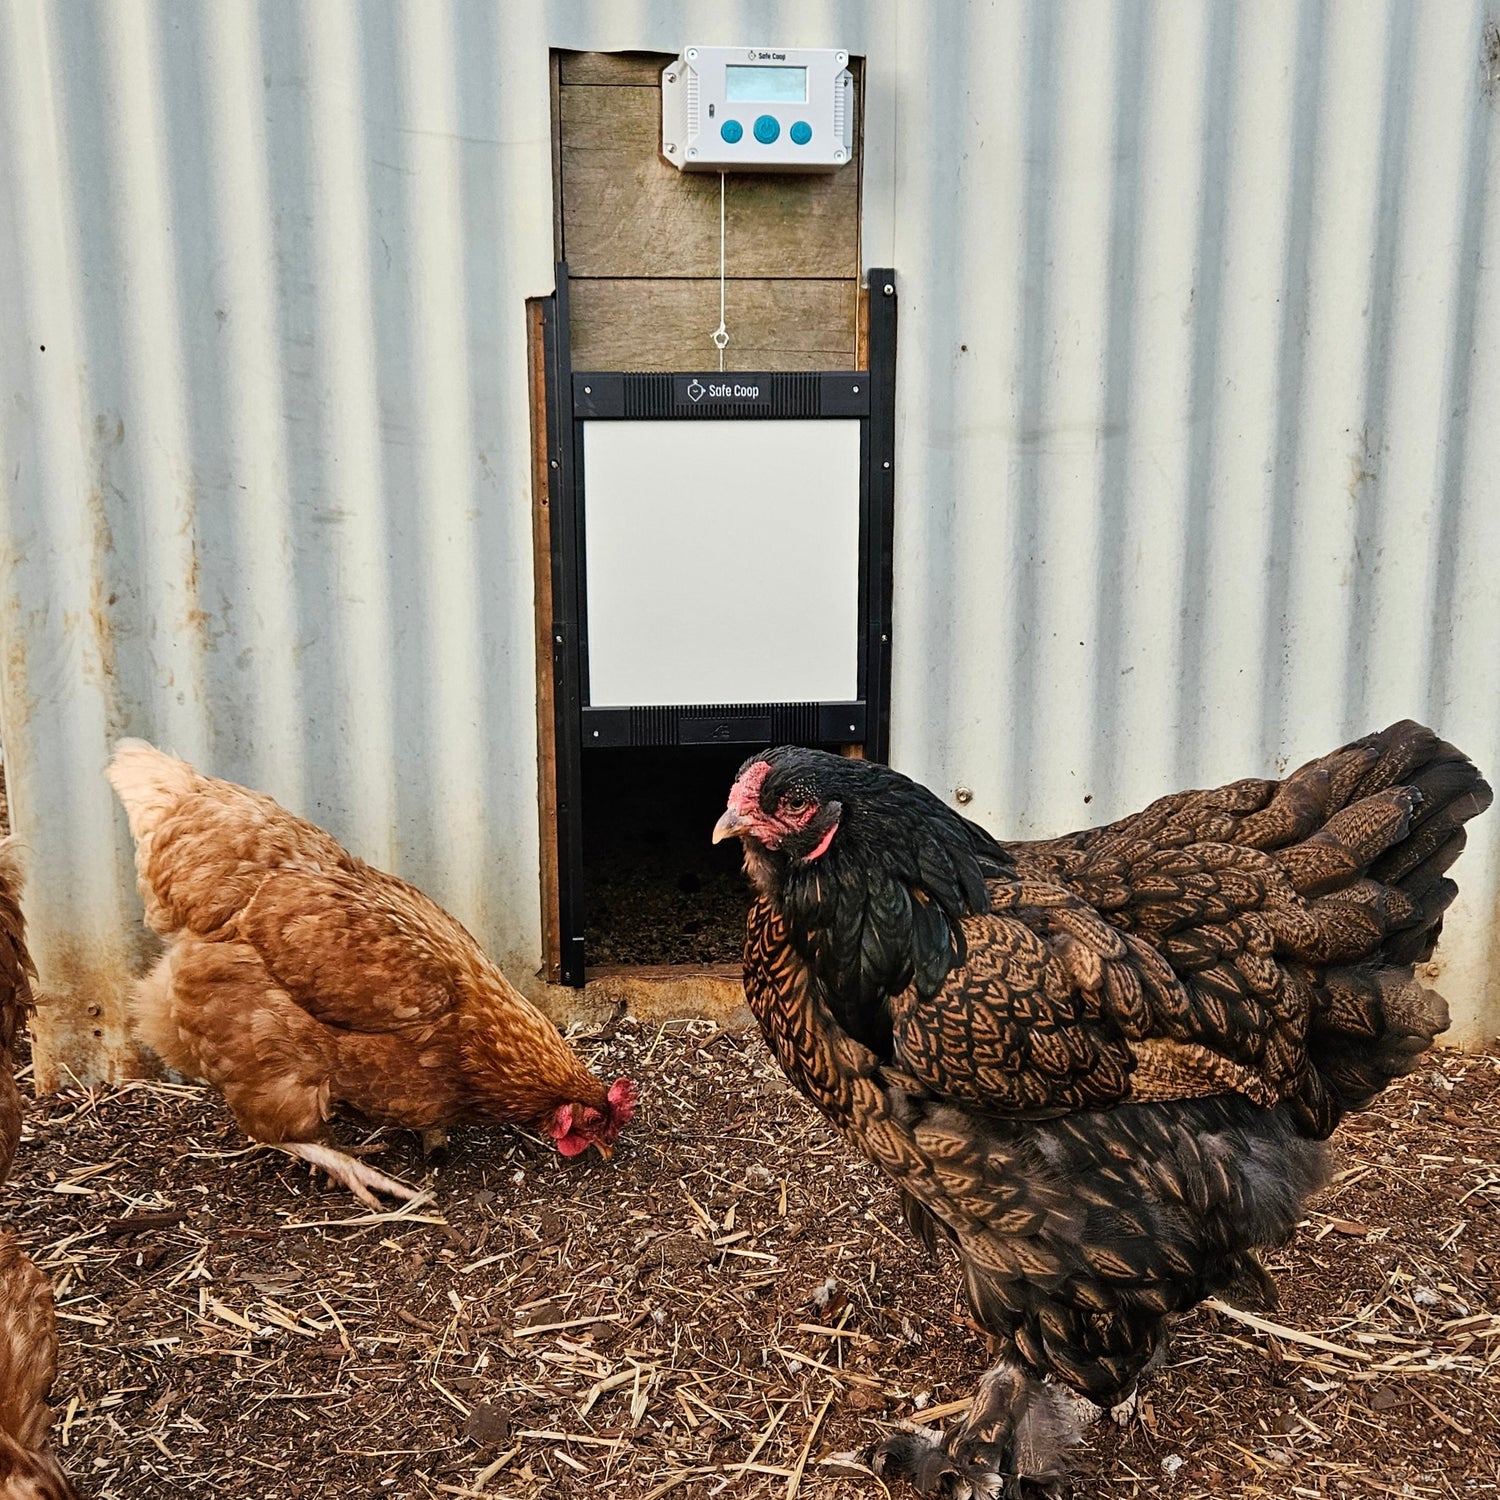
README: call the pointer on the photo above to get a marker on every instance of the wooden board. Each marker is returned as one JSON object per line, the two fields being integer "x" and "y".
{"x": 664, "y": 992}
{"x": 614, "y": 68}
{"x": 546, "y": 728}
{"x": 626, "y": 212}
{"x": 666, "y": 325}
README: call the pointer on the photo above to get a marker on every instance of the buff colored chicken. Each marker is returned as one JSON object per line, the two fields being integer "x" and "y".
{"x": 297, "y": 979}
{"x": 16, "y": 974}
{"x": 28, "y": 1325}
{"x": 28, "y": 1362}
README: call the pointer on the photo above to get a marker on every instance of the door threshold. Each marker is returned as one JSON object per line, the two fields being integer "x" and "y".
{"x": 671, "y": 992}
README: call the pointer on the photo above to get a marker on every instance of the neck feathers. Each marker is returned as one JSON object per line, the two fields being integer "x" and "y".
{"x": 883, "y": 907}
{"x": 518, "y": 1067}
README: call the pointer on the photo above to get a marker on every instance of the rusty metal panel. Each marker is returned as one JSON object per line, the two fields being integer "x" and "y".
{"x": 1199, "y": 332}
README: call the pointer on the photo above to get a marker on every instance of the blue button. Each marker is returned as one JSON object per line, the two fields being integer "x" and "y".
{"x": 732, "y": 130}
{"x": 767, "y": 128}
{"x": 801, "y": 133}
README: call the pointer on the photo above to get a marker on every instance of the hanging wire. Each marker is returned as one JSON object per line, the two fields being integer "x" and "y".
{"x": 721, "y": 333}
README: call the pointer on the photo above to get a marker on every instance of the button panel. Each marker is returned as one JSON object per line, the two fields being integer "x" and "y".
{"x": 757, "y": 109}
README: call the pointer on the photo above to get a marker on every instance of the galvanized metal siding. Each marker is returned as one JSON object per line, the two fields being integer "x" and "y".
{"x": 1198, "y": 341}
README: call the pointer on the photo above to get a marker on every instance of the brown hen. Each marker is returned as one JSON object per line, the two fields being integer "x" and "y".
{"x": 297, "y": 979}
{"x": 1102, "y": 1066}
{"x": 28, "y": 1326}
{"x": 28, "y": 1362}
{"x": 16, "y": 974}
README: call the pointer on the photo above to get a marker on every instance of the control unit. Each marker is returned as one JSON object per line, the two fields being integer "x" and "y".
{"x": 757, "y": 109}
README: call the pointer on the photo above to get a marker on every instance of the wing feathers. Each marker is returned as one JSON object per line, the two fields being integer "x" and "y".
{"x": 1210, "y": 923}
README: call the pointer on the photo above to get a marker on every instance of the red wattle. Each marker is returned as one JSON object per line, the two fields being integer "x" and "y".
{"x": 823, "y": 843}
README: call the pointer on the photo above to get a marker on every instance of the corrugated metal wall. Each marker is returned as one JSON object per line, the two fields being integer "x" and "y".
{"x": 1200, "y": 458}
{"x": 1198, "y": 454}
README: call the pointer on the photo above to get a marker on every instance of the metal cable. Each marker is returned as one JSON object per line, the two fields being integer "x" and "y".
{"x": 721, "y": 333}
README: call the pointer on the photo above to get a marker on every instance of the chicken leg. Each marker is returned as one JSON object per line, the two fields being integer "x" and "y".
{"x": 364, "y": 1182}
{"x": 1007, "y": 1447}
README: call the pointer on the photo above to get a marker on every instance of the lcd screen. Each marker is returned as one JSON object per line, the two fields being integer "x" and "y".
{"x": 765, "y": 85}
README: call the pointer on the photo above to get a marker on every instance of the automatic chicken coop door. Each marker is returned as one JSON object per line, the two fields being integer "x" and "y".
{"x": 721, "y": 565}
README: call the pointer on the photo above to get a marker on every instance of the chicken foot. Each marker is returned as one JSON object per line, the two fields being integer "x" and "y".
{"x": 364, "y": 1182}
{"x": 1007, "y": 1447}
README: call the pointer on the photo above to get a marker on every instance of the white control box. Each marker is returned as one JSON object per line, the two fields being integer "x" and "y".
{"x": 757, "y": 109}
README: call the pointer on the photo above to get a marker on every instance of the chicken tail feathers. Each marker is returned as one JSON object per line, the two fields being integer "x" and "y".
{"x": 1375, "y": 874}
{"x": 1391, "y": 822}
{"x": 202, "y": 845}
{"x": 28, "y": 1346}
{"x": 16, "y": 968}
{"x": 149, "y": 783}
{"x": 12, "y": 870}
{"x": 1450, "y": 791}
{"x": 1369, "y": 1025}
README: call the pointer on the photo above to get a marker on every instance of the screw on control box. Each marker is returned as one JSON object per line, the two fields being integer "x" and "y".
{"x": 758, "y": 109}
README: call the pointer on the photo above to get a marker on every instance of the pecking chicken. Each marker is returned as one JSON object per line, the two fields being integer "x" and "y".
{"x": 1102, "y": 1066}
{"x": 297, "y": 979}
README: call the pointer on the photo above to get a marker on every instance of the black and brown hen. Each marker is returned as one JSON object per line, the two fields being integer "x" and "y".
{"x": 1104, "y": 1065}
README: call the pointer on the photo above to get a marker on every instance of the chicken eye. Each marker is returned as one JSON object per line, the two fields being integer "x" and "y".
{"x": 795, "y": 804}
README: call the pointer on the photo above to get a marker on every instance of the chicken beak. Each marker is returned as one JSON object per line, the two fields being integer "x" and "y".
{"x": 603, "y": 1148}
{"x": 730, "y": 826}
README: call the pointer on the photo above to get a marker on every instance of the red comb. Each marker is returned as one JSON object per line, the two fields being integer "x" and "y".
{"x": 623, "y": 1094}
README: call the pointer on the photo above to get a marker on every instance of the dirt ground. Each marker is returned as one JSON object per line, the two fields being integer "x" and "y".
{"x": 722, "y": 1310}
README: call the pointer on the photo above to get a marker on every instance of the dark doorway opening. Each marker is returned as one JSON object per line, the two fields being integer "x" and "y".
{"x": 656, "y": 891}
